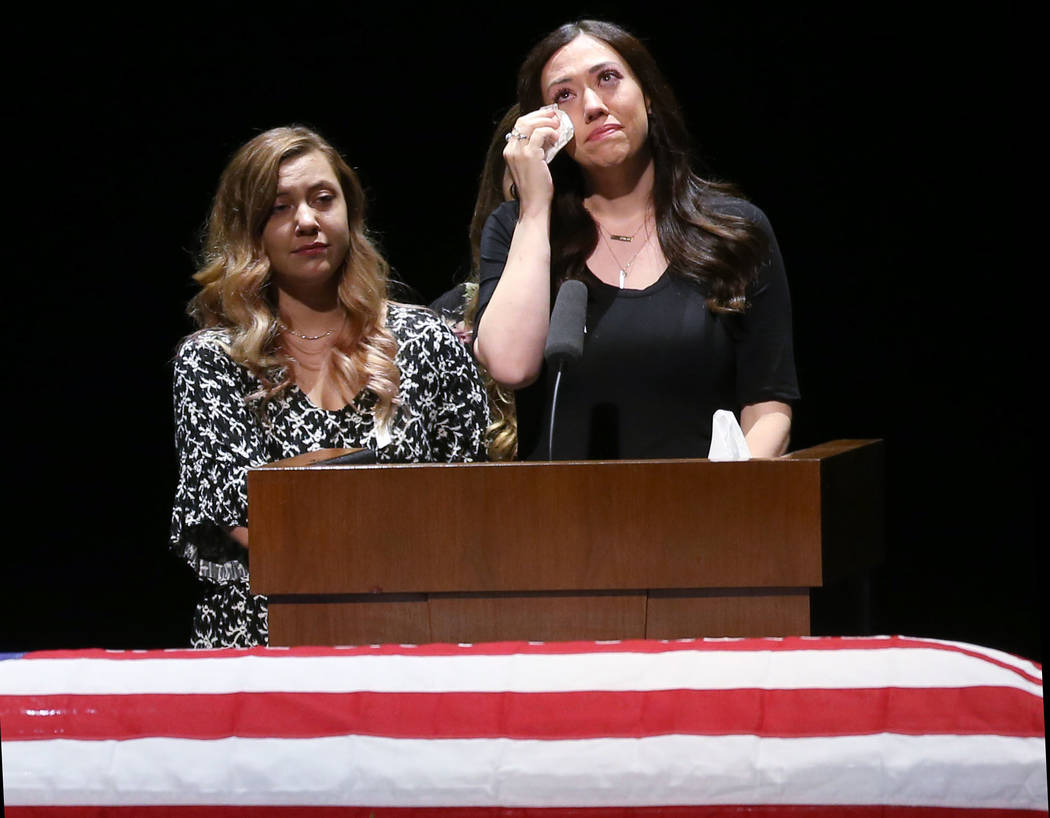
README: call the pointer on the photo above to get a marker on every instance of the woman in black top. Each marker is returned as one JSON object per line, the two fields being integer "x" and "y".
{"x": 688, "y": 307}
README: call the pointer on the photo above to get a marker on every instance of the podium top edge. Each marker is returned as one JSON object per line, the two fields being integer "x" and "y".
{"x": 313, "y": 461}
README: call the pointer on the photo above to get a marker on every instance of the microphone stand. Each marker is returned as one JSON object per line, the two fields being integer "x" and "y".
{"x": 554, "y": 408}
{"x": 568, "y": 324}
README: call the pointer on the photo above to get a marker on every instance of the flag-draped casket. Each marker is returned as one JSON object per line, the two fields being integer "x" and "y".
{"x": 813, "y": 727}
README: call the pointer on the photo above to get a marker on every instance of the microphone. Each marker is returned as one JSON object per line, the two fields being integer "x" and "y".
{"x": 565, "y": 335}
{"x": 565, "y": 339}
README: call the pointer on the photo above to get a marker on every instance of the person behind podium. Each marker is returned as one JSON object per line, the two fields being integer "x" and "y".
{"x": 688, "y": 308}
{"x": 459, "y": 305}
{"x": 298, "y": 349}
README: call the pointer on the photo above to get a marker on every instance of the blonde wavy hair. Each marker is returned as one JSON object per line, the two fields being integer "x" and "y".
{"x": 234, "y": 275}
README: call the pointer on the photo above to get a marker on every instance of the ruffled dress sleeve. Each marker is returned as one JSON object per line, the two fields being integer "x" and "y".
{"x": 218, "y": 436}
{"x": 444, "y": 399}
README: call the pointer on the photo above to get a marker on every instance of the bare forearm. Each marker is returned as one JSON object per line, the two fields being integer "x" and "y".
{"x": 767, "y": 428}
{"x": 513, "y": 330}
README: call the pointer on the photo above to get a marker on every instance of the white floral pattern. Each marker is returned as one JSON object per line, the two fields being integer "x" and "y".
{"x": 219, "y": 436}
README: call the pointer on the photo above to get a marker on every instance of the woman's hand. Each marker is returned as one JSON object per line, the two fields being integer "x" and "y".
{"x": 524, "y": 154}
{"x": 510, "y": 337}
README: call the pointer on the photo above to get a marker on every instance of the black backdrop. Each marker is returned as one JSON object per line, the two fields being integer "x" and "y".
{"x": 880, "y": 144}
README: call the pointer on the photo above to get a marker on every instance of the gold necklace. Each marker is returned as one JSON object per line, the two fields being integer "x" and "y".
{"x": 620, "y": 237}
{"x": 625, "y": 268}
{"x": 285, "y": 328}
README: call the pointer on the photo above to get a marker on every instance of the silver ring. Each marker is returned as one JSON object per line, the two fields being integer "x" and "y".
{"x": 515, "y": 134}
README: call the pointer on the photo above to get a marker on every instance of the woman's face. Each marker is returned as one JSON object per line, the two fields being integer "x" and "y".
{"x": 307, "y": 235}
{"x": 593, "y": 84}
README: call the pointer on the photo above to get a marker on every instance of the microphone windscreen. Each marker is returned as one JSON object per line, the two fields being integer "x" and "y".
{"x": 565, "y": 335}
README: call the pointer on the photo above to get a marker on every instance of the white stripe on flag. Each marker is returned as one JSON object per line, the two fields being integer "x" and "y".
{"x": 1018, "y": 662}
{"x": 889, "y": 769}
{"x": 526, "y": 673}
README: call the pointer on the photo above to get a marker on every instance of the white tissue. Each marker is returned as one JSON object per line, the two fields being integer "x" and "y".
{"x": 565, "y": 132}
{"x": 727, "y": 438}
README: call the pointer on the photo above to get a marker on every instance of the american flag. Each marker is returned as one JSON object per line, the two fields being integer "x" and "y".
{"x": 814, "y": 727}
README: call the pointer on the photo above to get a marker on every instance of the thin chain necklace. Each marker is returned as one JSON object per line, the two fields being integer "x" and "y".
{"x": 625, "y": 268}
{"x": 311, "y": 360}
{"x": 619, "y": 237}
{"x": 285, "y": 328}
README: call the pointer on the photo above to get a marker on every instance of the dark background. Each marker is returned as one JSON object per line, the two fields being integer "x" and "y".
{"x": 880, "y": 142}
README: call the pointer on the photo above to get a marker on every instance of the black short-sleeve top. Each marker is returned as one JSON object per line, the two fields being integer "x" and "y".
{"x": 657, "y": 362}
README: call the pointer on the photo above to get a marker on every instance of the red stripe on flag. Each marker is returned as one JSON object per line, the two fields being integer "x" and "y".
{"x": 976, "y": 654}
{"x": 572, "y": 715}
{"x": 790, "y": 643}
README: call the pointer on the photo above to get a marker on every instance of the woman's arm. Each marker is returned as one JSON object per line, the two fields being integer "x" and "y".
{"x": 513, "y": 329}
{"x": 766, "y": 377}
{"x": 766, "y": 427}
{"x": 216, "y": 439}
{"x": 510, "y": 337}
{"x": 444, "y": 406}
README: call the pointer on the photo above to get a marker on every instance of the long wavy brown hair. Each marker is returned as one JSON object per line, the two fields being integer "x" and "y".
{"x": 234, "y": 275}
{"x": 720, "y": 251}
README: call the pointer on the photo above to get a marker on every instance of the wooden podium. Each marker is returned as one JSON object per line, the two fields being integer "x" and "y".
{"x": 627, "y": 549}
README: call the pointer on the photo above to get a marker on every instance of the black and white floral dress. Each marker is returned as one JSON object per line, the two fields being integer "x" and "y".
{"x": 219, "y": 436}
